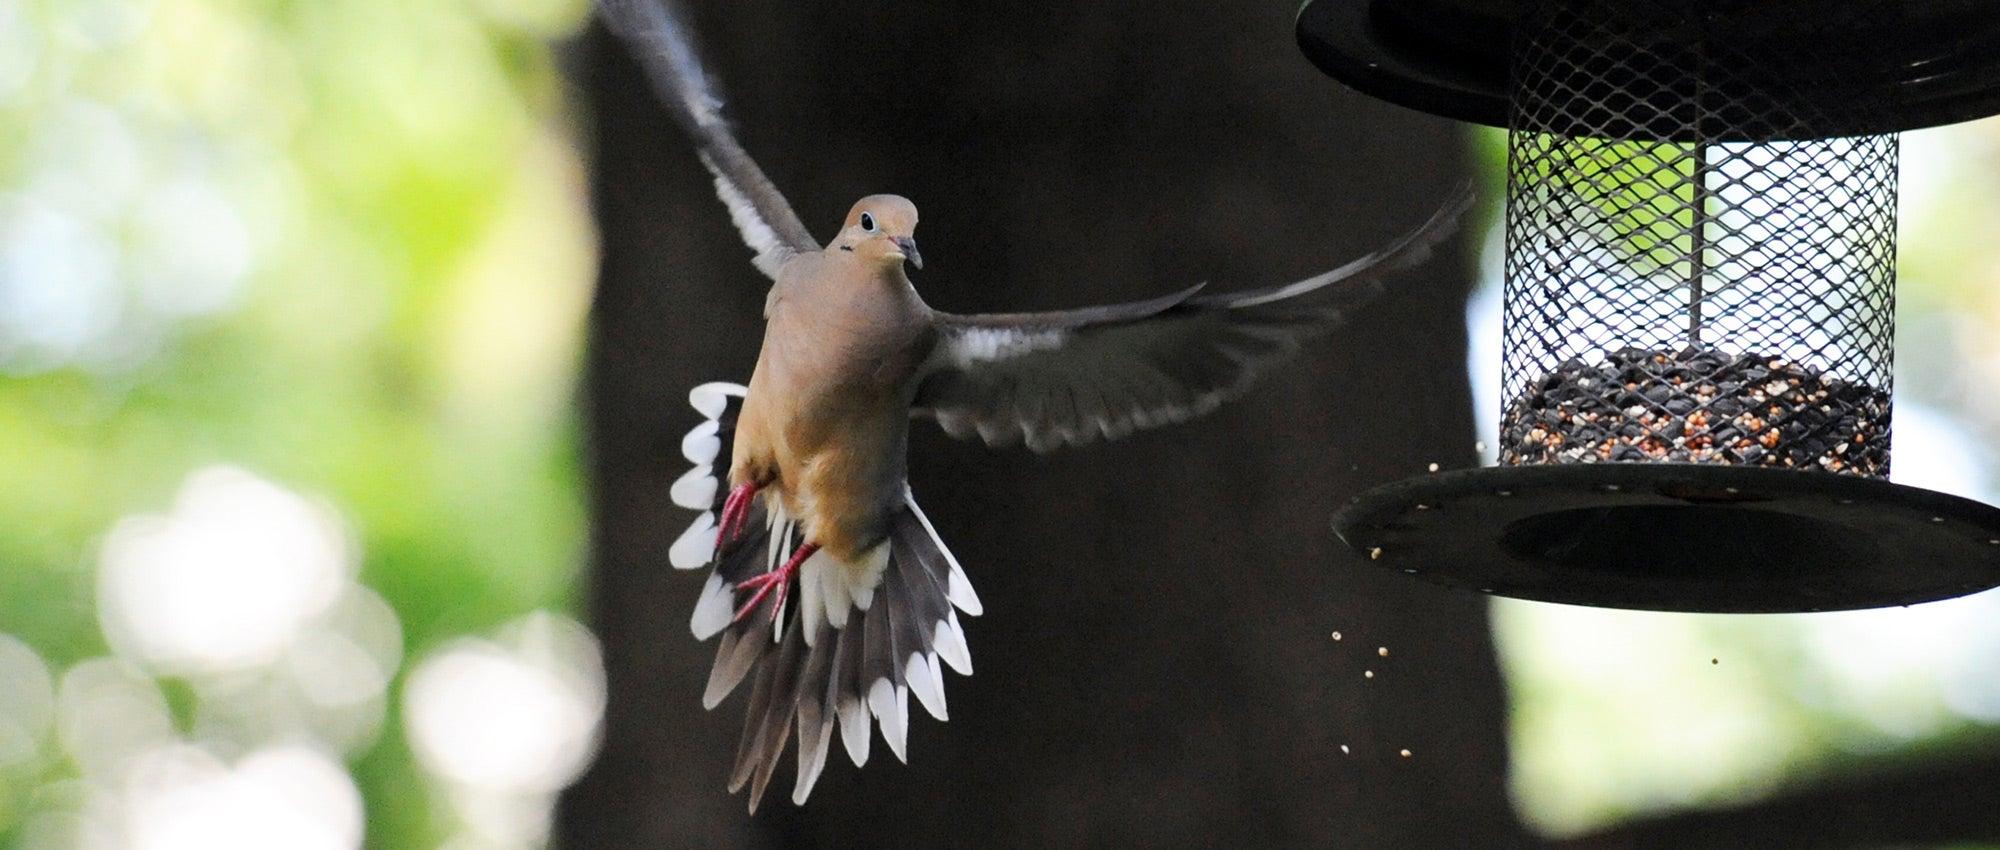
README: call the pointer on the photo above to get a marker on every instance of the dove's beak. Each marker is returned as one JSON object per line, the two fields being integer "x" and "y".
{"x": 908, "y": 247}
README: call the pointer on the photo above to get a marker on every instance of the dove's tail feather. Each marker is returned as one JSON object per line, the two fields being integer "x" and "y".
{"x": 851, "y": 642}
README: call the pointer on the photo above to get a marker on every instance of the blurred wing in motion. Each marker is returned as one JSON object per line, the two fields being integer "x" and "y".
{"x": 1074, "y": 376}
{"x": 664, "y": 48}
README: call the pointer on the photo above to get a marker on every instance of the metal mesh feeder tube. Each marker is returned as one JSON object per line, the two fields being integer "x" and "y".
{"x": 1689, "y": 280}
{"x": 1699, "y": 302}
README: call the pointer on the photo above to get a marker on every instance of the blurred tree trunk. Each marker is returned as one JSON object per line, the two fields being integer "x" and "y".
{"x": 1155, "y": 667}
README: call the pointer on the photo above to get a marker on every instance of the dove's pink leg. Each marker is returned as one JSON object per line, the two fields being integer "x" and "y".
{"x": 780, "y": 578}
{"x": 735, "y": 513}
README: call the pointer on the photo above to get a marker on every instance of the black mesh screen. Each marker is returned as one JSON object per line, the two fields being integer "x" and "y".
{"x": 1689, "y": 279}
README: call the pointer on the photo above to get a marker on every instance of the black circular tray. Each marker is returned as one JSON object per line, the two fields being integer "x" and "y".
{"x": 1937, "y": 63}
{"x": 1679, "y": 537}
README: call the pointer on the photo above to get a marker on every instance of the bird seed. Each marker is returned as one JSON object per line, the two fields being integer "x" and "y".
{"x": 1699, "y": 405}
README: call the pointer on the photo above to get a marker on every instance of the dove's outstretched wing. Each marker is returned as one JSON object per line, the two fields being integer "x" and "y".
{"x": 759, "y": 210}
{"x": 1072, "y": 377}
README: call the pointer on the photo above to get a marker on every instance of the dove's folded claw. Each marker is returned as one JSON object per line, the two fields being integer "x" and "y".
{"x": 779, "y": 579}
{"x": 735, "y": 514}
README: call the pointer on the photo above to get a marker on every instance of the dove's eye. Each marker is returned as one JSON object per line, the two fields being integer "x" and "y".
{"x": 868, "y": 222}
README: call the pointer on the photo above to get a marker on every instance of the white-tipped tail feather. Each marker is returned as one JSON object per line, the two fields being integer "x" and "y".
{"x": 701, "y": 445}
{"x": 891, "y": 706}
{"x": 854, "y": 729}
{"x": 712, "y": 612}
{"x": 696, "y": 545}
{"x": 712, "y": 398}
{"x": 696, "y": 490}
{"x": 949, "y": 641}
{"x": 959, "y": 590}
{"x": 852, "y": 642}
{"x": 926, "y": 682}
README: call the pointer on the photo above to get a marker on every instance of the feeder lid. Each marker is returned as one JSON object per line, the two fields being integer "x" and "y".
{"x": 1679, "y": 537}
{"x": 1854, "y": 72}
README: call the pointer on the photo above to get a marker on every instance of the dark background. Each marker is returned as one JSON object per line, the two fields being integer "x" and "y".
{"x": 1155, "y": 666}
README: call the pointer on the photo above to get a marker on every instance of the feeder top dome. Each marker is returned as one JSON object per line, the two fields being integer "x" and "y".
{"x": 1856, "y": 67}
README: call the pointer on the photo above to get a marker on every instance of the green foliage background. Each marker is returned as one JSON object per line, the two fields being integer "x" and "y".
{"x": 405, "y": 338}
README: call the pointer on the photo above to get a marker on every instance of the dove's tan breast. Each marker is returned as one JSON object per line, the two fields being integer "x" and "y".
{"x": 826, "y": 420}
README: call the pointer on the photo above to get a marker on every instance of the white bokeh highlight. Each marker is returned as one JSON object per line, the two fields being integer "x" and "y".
{"x": 27, "y": 703}
{"x": 243, "y": 591}
{"x": 108, "y": 714}
{"x": 227, "y": 579}
{"x": 506, "y": 723}
{"x": 183, "y": 798}
{"x": 109, "y": 239}
{"x": 514, "y": 715}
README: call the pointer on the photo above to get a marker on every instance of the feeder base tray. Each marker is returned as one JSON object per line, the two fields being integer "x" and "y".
{"x": 1679, "y": 537}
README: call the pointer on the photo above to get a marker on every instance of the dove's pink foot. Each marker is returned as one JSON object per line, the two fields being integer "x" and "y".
{"x": 735, "y": 513}
{"x": 780, "y": 578}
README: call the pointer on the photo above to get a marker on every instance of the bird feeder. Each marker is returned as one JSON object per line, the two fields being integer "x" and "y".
{"x": 1699, "y": 299}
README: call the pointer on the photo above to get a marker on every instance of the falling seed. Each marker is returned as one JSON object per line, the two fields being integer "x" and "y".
{"x": 1336, "y": 636}
{"x": 1375, "y": 554}
{"x": 1367, "y": 674}
{"x": 1343, "y": 749}
{"x": 1405, "y": 754}
{"x": 1382, "y": 651}
{"x": 1715, "y": 661}
{"x": 1434, "y": 467}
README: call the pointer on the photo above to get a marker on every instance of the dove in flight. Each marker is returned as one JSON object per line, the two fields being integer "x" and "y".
{"x": 829, "y": 587}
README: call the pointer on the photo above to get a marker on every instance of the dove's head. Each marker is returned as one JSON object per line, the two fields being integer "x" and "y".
{"x": 881, "y": 229}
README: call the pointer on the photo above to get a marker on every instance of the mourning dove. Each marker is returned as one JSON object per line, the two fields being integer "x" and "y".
{"x": 827, "y": 582}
